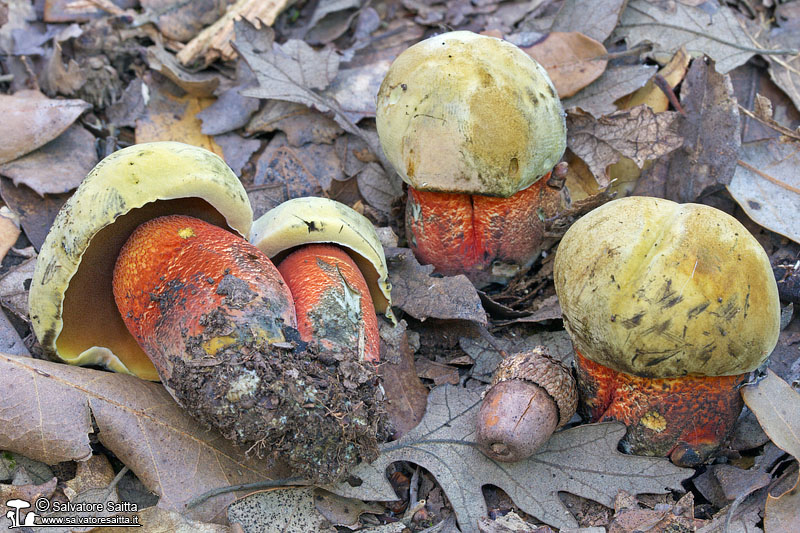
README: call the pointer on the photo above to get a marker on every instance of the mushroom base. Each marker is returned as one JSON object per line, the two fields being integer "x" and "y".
{"x": 684, "y": 418}
{"x": 486, "y": 238}
{"x": 218, "y": 322}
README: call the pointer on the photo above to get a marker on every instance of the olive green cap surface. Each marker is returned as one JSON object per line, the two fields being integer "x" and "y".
{"x": 658, "y": 289}
{"x": 72, "y": 307}
{"x": 467, "y": 113}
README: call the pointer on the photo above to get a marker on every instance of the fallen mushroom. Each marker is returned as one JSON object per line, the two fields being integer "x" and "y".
{"x": 213, "y": 314}
{"x": 474, "y": 126}
{"x": 531, "y": 396}
{"x": 669, "y": 307}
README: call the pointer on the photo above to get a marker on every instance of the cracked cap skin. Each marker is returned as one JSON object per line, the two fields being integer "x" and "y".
{"x": 653, "y": 291}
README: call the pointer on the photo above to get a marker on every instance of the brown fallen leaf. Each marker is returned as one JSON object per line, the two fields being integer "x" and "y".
{"x": 215, "y": 41}
{"x": 714, "y": 32}
{"x": 14, "y": 286}
{"x": 487, "y": 355}
{"x": 158, "y": 520}
{"x": 598, "y": 98}
{"x": 24, "y": 491}
{"x": 200, "y": 84}
{"x": 604, "y": 17}
{"x": 777, "y": 406}
{"x": 638, "y": 133}
{"x": 94, "y": 473}
{"x": 677, "y": 517}
{"x": 295, "y": 72}
{"x": 285, "y": 510}
{"x": 48, "y": 410}
{"x": 301, "y": 124}
{"x": 405, "y": 393}
{"x": 422, "y": 296}
{"x": 583, "y": 461}
{"x": 173, "y": 118}
{"x": 439, "y": 373}
{"x": 57, "y": 167}
{"x": 356, "y": 89}
{"x": 766, "y": 185}
{"x": 9, "y": 230}
{"x": 306, "y": 170}
{"x": 236, "y": 150}
{"x": 711, "y": 136}
{"x": 343, "y": 511}
{"x": 31, "y": 120}
{"x": 571, "y": 59}
{"x": 36, "y": 213}
{"x": 785, "y": 70}
{"x": 179, "y": 20}
{"x": 624, "y": 173}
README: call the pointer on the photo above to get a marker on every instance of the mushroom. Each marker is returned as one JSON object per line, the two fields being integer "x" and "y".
{"x": 210, "y": 313}
{"x": 474, "y": 126}
{"x": 669, "y": 307}
{"x": 531, "y": 396}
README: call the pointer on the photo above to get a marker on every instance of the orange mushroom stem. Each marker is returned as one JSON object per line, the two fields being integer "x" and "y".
{"x": 685, "y": 418}
{"x": 332, "y": 300}
{"x": 484, "y": 237}
{"x": 219, "y": 323}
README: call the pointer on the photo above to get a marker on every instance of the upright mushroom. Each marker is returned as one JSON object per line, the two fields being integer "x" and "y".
{"x": 669, "y": 307}
{"x": 473, "y": 125}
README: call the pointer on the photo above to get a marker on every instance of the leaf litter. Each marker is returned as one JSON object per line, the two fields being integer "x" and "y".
{"x": 317, "y": 71}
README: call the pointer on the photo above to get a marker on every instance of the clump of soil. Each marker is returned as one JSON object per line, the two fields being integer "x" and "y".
{"x": 321, "y": 412}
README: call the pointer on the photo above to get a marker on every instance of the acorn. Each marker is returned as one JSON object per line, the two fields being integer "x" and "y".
{"x": 531, "y": 395}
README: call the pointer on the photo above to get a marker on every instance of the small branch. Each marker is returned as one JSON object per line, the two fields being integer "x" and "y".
{"x": 767, "y": 177}
{"x": 762, "y": 51}
{"x": 774, "y": 125}
{"x": 258, "y": 485}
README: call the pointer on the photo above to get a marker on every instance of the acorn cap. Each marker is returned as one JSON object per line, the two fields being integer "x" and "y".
{"x": 540, "y": 368}
{"x": 72, "y": 307}
{"x": 658, "y": 289}
{"x": 311, "y": 219}
{"x": 468, "y": 113}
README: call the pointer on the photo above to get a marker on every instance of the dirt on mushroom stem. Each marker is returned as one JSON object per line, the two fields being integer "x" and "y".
{"x": 216, "y": 318}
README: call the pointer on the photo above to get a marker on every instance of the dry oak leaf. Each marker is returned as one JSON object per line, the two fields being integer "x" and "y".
{"x": 422, "y": 296}
{"x": 73, "y": 153}
{"x": 766, "y": 185}
{"x": 30, "y": 120}
{"x": 47, "y": 410}
{"x": 711, "y": 30}
{"x": 711, "y": 136}
{"x": 582, "y": 461}
{"x": 638, "y": 134}
{"x": 777, "y": 406}
{"x": 598, "y": 98}
{"x": 571, "y": 59}
{"x": 284, "y": 510}
{"x": 604, "y": 17}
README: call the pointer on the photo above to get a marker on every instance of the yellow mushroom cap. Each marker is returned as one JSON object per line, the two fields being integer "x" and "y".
{"x": 311, "y": 219}
{"x": 658, "y": 289}
{"x": 467, "y": 113}
{"x": 71, "y": 302}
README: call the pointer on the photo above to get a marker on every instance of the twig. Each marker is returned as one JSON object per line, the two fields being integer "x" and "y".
{"x": 258, "y": 485}
{"x": 767, "y": 177}
{"x": 666, "y": 88}
{"x": 762, "y": 51}
{"x": 774, "y": 125}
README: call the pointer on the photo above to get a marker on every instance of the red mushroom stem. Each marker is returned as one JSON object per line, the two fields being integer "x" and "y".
{"x": 484, "y": 237}
{"x": 332, "y": 300}
{"x": 685, "y": 418}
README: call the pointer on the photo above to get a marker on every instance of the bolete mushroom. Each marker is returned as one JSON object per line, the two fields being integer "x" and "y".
{"x": 669, "y": 307}
{"x": 474, "y": 126}
{"x": 213, "y": 315}
{"x": 531, "y": 396}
